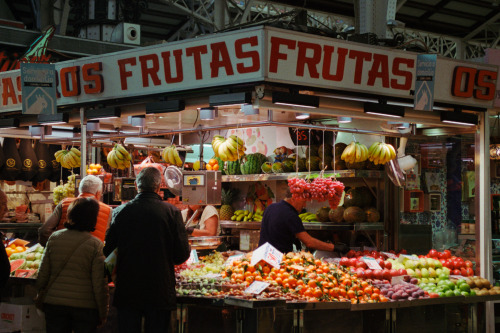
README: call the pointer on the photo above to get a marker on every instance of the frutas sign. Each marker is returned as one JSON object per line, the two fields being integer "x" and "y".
{"x": 252, "y": 55}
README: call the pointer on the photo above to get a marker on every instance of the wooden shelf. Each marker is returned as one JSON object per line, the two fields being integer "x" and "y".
{"x": 306, "y": 175}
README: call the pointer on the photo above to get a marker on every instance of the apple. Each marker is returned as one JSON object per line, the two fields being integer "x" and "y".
{"x": 350, "y": 254}
{"x": 409, "y": 264}
{"x": 470, "y": 271}
{"x": 438, "y": 263}
{"x": 433, "y": 253}
{"x": 388, "y": 264}
{"x": 368, "y": 274}
{"x": 402, "y": 271}
{"x": 386, "y": 273}
{"x": 432, "y": 272}
{"x": 344, "y": 261}
{"x": 432, "y": 280}
{"x": 410, "y": 272}
{"x": 361, "y": 264}
{"x": 457, "y": 272}
{"x": 446, "y": 271}
{"x": 430, "y": 263}
{"x": 418, "y": 273}
{"x": 352, "y": 262}
{"x": 425, "y": 272}
{"x": 468, "y": 263}
{"x": 377, "y": 274}
{"x": 381, "y": 263}
{"x": 424, "y": 280}
{"x": 447, "y": 253}
{"x": 463, "y": 271}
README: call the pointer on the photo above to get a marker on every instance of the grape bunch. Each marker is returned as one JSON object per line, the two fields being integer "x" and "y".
{"x": 320, "y": 189}
{"x": 64, "y": 191}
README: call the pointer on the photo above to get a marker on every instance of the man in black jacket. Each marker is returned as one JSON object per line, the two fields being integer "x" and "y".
{"x": 4, "y": 260}
{"x": 150, "y": 239}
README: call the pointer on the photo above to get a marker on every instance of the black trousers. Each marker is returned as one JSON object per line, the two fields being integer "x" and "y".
{"x": 67, "y": 319}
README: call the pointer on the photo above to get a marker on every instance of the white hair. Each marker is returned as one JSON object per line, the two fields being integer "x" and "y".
{"x": 90, "y": 184}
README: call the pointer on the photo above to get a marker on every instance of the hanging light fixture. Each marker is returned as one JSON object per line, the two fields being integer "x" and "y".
{"x": 302, "y": 115}
{"x": 305, "y": 101}
{"x": 249, "y": 110}
{"x": 93, "y": 126}
{"x": 384, "y": 109}
{"x": 165, "y": 106}
{"x": 9, "y": 123}
{"x": 52, "y": 119}
{"x": 103, "y": 113}
{"x": 209, "y": 113}
{"x": 231, "y": 99}
{"x": 138, "y": 121}
{"x": 344, "y": 120}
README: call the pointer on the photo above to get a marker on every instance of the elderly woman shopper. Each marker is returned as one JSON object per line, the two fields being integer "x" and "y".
{"x": 72, "y": 273}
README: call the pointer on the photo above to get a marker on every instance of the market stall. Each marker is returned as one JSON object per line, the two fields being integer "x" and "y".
{"x": 221, "y": 117}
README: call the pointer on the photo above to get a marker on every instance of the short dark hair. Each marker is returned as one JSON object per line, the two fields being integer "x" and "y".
{"x": 148, "y": 180}
{"x": 82, "y": 214}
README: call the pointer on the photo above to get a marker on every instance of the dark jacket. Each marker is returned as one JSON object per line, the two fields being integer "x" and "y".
{"x": 150, "y": 238}
{"x": 4, "y": 266}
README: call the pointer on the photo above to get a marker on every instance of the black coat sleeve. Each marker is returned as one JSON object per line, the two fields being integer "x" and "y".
{"x": 181, "y": 246}
{"x": 4, "y": 267}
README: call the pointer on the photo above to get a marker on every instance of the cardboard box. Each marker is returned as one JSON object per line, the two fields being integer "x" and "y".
{"x": 20, "y": 317}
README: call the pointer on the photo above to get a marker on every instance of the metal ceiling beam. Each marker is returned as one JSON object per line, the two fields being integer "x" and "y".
{"x": 483, "y": 26}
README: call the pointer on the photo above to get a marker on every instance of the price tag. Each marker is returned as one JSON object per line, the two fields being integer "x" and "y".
{"x": 390, "y": 255}
{"x": 371, "y": 263}
{"x": 397, "y": 280}
{"x": 193, "y": 258}
{"x": 256, "y": 287}
{"x": 402, "y": 257}
{"x": 212, "y": 276}
{"x": 230, "y": 260}
{"x": 269, "y": 254}
{"x": 457, "y": 277}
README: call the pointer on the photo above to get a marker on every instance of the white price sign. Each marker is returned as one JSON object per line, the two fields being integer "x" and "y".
{"x": 256, "y": 287}
{"x": 371, "y": 263}
{"x": 397, "y": 280}
{"x": 390, "y": 255}
{"x": 402, "y": 257}
{"x": 269, "y": 254}
{"x": 193, "y": 257}
{"x": 230, "y": 260}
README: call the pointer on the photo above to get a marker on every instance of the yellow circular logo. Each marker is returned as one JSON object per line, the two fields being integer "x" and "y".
{"x": 42, "y": 164}
{"x": 28, "y": 163}
{"x": 55, "y": 164}
{"x": 11, "y": 162}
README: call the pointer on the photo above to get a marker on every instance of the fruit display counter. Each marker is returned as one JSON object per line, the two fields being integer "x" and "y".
{"x": 254, "y": 225}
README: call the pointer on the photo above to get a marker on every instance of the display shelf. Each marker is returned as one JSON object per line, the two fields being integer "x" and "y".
{"x": 307, "y": 225}
{"x": 20, "y": 226}
{"x": 306, "y": 175}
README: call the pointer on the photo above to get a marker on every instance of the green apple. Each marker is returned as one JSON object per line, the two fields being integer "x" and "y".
{"x": 418, "y": 273}
{"x": 432, "y": 272}
{"x": 437, "y": 264}
{"x": 410, "y": 272}
{"x": 425, "y": 273}
{"x": 409, "y": 264}
{"x": 446, "y": 271}
{"x": 433, "y": 280}
{"x": 424, "y": 280}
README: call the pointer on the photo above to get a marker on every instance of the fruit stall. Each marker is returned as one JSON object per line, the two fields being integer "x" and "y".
{"x": 391, "y": 190}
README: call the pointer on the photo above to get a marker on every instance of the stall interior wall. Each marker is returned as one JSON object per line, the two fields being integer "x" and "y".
{"x": 436, "y": 175}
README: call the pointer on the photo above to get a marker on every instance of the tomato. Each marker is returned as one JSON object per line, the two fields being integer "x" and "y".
{"x": 344, "y": 261}
{"x": 381, "y": 263}
{"x": 350, "y": 254}
{"x": 361, "y": 264}
{"x": 368, "y": 290}
{"x": 317, "y": 293}
{"x": 375, "y": 296}
{"x": 468, "y": 263}
{"x": 447, "y": 253}
{"x": 353, "y": 262}
{"x": 433, "y": 253}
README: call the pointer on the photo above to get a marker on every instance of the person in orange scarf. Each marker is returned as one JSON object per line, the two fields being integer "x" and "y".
{"x": 90, "y": 186}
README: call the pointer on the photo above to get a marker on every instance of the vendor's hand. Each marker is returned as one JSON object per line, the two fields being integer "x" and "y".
{"x": 340, "y": 247}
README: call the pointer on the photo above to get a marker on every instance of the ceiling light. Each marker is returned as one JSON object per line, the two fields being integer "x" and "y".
{"x": 384, "y": 109}
{"x": 302, "y": 115}
{"x": 208, "y": 113}
{"x": 344, "y": 120}
{"x": 398, "y": 124}
{"x": 103, "y": 113}
{"x": 9, "y": 123}
{"x": 459, "y": 118}
{"x": 249, "y": 110}
{"x": 51, "y": 119}
{"x": 230, "y": 99}
{"x": 150, "y": 142}
{"x": 93, "y": 126}
{"x": 137, "y": 121}
{"x": 305, "y": 101}
{"x": 40, "y": 130}
{"x": 165, "y": 106}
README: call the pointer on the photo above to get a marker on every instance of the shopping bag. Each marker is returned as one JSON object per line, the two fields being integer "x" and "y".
{"x": 149, "y": 162}
{"x": 110, "y": 264}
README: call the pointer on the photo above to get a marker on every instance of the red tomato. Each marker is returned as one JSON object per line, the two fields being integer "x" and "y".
{"x": 456, "y": 272}
{"x": 352, "y": 262}
{"x": 361, "y": 264}
{"x": 433, "y": 253}
{"x": 368, "y": 274}
{"x": 388, "y": 264}
{"x": 381, "y": 263}
{"x": 433, "y": 295}
{"x": 463, "y": 271}
{"x": 470, "y": 271}
{"x": 403, "y": 251}
{"x": 448, "y": 254}
{"x": 351, "y": 254}
{"x": 344, "y": 261}
{"x": 468, "y": 263}
{"x": 387, "y": 274}
{"x": 394, "y": 272}
{"x": 402, "y": 271}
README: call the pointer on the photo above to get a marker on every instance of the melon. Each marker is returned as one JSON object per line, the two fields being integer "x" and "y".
{"x": 336, "y": 215}
{"x": 288, "y": 164}
{"x": 267, "y": 167}
{"x": 312, "y": 150}
{"x": 358, "y": 196}
{"x": 338, "y": 163}
{"x": 312, "y": 163}
{"x": 17, "y": 264}
{"x": 325, "y": 148}
{"x": 326, "y": 163}
{"x": 356, "y": 165}
{"x": 322, "y": 214}
{"x": 354, "y": 214}
{"x": 302, "y": 164}
{"x": 339, "y": 148}
{"x": 277, "y": 167}
{"x": 372, "y": 215}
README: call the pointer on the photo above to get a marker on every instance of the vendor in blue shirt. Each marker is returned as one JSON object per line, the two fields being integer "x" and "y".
{"x": 282, "y": 228}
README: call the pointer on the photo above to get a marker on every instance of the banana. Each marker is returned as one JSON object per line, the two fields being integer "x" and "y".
{"x": 238, "y": 140}
{"x": 59, "y": 155}
{"x": 392, "y": 150}
{"x": 358, "y": 152}
{"x": 388, "y": 154}
{"x": 345, "y": 153}
{"x": 118, "y": 154}
{"x": 111, "y": 159}
{"x": 123, "y": 151}
{"x": 372, "y": 147}
{"x": 382, "y": 153}
{"x": 232, "y": 145}
{"x": 376, "y": 151}
{"x": 177, "y": 158}
{"x": 240, "y": 217}
{"x": 76, "y": 151}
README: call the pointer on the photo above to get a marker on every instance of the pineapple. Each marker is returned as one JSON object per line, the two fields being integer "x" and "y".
{"x": 226, "y": 210}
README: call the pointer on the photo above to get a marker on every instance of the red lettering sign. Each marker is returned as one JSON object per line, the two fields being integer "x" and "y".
{"x": 96, "y": 81}
{"x": 310, "y": 61}
{"x": 471, "y": 82}
{"x": 70, "y": 81}
{"x": 150, "y": 70}
{"x": 253, "y": 55}
{"x": 327, "y": 63}
{"x": 169, "y": 78}
{"x": 276, "y": 55}
{"x": 196, "y": 52}
{"x": 124, "y": 74}
{"x": 397, "y": 71}
{"x": 220, "y": 58}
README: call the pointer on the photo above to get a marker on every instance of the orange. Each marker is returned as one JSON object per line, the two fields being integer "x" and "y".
{"x": 209, "y": 167}
{"x": 13, "y": 246}
{"x": 213, "y": 162}
{"x": 92, "y": 166}
{"x": 215, "y": 167}
{"x": 20, "y": 249}
{"x": 9, "y": 251}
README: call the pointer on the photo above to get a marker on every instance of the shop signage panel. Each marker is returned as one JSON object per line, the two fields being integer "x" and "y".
{"x": 316, "y": 61}
{"x": 38, "y": 88}
{"x": 424, "y": 84}
{"x": 216, "y": 60}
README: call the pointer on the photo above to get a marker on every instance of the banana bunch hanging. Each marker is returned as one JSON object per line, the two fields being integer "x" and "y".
{"x": 355, "y": 152}
{"x": 119, "y": 157}
{"x": 171, "y": 156}
{"x": 381, "y": 153}
{"x": 68, "y": 159}
{"x": 230, "y": 149}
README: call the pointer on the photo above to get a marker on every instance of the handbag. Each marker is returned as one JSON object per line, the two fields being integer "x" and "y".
{"x": 42, "y": 293}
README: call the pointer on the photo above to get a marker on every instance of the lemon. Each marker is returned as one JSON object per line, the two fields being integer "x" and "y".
{"x": 196, "y": 165}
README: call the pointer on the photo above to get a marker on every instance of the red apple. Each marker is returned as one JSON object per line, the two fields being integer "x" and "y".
{"x": 344, "y": 261}
{"x": 388, "y": 264}
{"x": 350, "y": 254}
{"x": 402, "y": 271}
{"x": 386, "y": 274}
{"x": 378, "y": 274}
{"x": 403, "y": 251}
{"x": 394, "y": 272}
{"x": 470, "y": 271}
{"x": 381, "y": 263}
{"x": 456, "y": 272}
{"x": 463, "y": 271}
{"x": 448, "y": 254}
{"x": 433, "y": 253}
{"x": 361, "y": 264}
{"x": 368, "y": 274}
{"x": 468, "y": 263}
{"x": 352, "y": 262}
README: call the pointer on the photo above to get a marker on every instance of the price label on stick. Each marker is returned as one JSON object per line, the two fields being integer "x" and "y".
{"x": 390, "y": 255}
{"x": 193, "y": 257}
{"x": 256, "y": 287}
{"x": 269, "y": 254}
{"x": 230, "y": 260}
{"x": 371, "y": 263}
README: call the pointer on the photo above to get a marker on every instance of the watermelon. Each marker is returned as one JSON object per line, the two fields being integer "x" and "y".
{"x": 252, "y": 163}
{"x": 233, "y": 168}
{"x": 16, "y": 264}
{"x": 25, "y": 273}
{"x": 354, "y": 214}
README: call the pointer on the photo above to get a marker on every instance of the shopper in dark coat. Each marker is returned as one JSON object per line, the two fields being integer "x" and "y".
{"x": 150, "y": 239}
{"x": 4, "y": 259}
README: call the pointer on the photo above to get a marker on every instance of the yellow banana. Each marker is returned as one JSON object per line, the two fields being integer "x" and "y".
{"x": 382, "y": 153}
{"x": 372, "y": 147}
{"x": 177, "y": 158}
{"x": 392, "y": 150}
{"x": 222, "y": 155}
{"x": 59, "y": 155}
{"x": 345, "y": 153}
{"x": 238, "y": 140}
{"x": 358, "y": 152}
{"x": 123, "y": 151}
{"x": 232, "y": 145}
{"x": 171, "y": 158}
{"x": 127, "y": 164}
{"x": 376, "y": 151}
{"x": 118, "y": 154}
{"x": 111, "y": 159}
{"x": 387, "y": 154}
{"x": 163, "y": 154}
{"x": 76, "y": 151}
{"x": 71, "y": 159}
